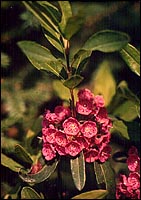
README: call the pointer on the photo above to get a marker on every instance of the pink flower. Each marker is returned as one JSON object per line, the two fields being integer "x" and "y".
{"x": 62, "y": 112}
{"x": 102, "y": 116}
{"x": 133, "y": 162}
{"x": 48, "y": 135}
{"x": 99, "y": 100}
{"x": 105, "y": 153}
{"x": 91, "y": 155}
{"x": 60, "y": 138}
{"x": 85, "y": 94}
{"x": 132, "y": 150}
{"x": 48, "y": 151}
{"x": 71, "y": 126}
{"x": 100, "y": 139}
{"x": 60, "y": 150}
{"x": 84, "y": 107}
{"x": 89, "y": 129}
{"x": 73, "y": 148}
{"x": 83, "y": 142}
{"x": 52, "y": 117}
{"x": 133, "y": 181}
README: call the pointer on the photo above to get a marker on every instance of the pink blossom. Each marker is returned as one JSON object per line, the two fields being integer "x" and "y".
{"x": 60, "y": 150}
{"x": 52, "y": 117}
{"x": 71, "y": 126}
{"x": 99, "y": 138}
{"x": 89, "y": 129}
{"x": 48, "y": 135}
{"x": 133, "y": 181}
{"x": 73, "y": 148}
{"x": 85, "y": 94}
{"x": 99, "y": 100}
{"x": 133, "y": 162}
{"x": 132, "y": 150}
{"x": 62, "y": 112}
{"x": 105, "y": 153}
{"x": 102, "y": 116}
{"x": 60, "y": 138}
{"x": 48, "y": 151}
{"x": 84, "y": 107}
{"x": 83, "y": 142}
{"x": 91, "y": 155}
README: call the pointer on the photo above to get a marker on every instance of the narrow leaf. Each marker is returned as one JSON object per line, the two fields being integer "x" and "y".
{"x": 104, "y": 174}
{"x": 73, "y": 81}
{"x": 80, "y": 59}
{"x": 106, "y": 41}
{"x": 40, "y": 176}
{"x": 41, "y": 16}
{"x": 22, "y": 154}
{"x": 41, "y": 57}
{"x": 66, "y": 13}
{"x": 29, "y": 193}
{"x": 78, "y": 171}
{"x": 132, "y": 57}
{"x": 10, "y": 163}
{"x": 94, "y": 194}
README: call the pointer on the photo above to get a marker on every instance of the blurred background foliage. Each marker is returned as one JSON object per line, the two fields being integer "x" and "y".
{"x": 26, "y": 92}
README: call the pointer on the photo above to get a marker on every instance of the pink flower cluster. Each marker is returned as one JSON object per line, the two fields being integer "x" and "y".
{"x": 89, "y": 131}
{"x": 129, "y": 187}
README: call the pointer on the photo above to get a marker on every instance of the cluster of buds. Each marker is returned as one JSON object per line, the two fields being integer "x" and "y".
{"x": 128, "y": 187}
{"x": 89, "y": 131}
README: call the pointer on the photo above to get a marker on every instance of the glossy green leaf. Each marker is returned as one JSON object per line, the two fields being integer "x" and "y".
{"x": 79, "y": 60}
{"x": 10, "y": 163}
{"x": 73, "y": 25}
{"x": 78, "y": 171}
{"x": 54, "y": 41}
{"x": 41, "y": 57}
{"x": 66, "y": 14}
{"x": 40, "y": 176}
{"x": 105, "y": 174}
{"x": 127, "y": 111}
{"x": 41, "y": 14}
{"x": 121, "y": 128}
{"x": 73, "y": 81}
{"x": 65, "y": 93}
{"x": 106, "y": 41}
{"x": 125, "y": 103}
{"x": 104, "y": 82}
{"x": 132, "y": 57}
{"x": 29, "y": 193}
{"x": 93, "y": 194}
{"x": 22, "y": 154}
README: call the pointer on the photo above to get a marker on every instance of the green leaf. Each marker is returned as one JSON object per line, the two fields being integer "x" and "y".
{"x": 93, "y": 194}
{"x": 29, "y": 193}
{"x": 106, "y": 41}
{"x": 80, "y": 59}
{"x": 41, "y": 57}
{"x": 105, "y": 174}
{"x": 104, "y": 82}
{"x": 125, "y": 104}
{"x": 121, "y": 128}
{"x": 127, "y": 111}
{"x": 78, "y": 171}
{"x": 73, "y": 81}
{"x": 22, "y": 154}
{"x": 73, "y": 25}
{"x": 42, "y": 16}
{"x": 132, "y": 57}
{"x": 10, "y": 163}
{"x": 54, "y": 41}
{"x": 66, "y": 14}
{"x": 8, "y": 144}
{"x": 65, "y": 93}
{"x": 40, "y": 176}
